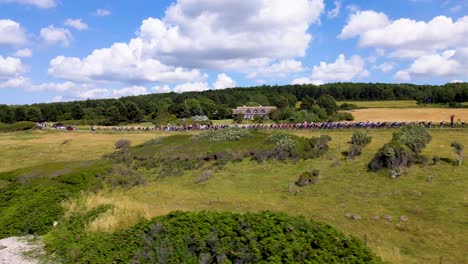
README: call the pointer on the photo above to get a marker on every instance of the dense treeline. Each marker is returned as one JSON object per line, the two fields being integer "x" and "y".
{"x": 218, "y": 104}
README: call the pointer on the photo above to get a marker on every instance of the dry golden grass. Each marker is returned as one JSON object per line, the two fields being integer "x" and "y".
{"x": 409, "y": 114}
{"x": 24, "y": 149}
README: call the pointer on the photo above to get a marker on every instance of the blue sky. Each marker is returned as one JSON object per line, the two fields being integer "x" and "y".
{"x": 62, "y": 50}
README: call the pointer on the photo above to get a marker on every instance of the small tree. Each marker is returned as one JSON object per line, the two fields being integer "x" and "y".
{"x": 458, "y": 149}
{"x": 77, "y": 112}
{"x": 359, "y": 140}
{"x": 414, "y": 136}
{"x": 394, "y": 156}
{"x": 239, "y": 119}
{"x": 354, "y": 150}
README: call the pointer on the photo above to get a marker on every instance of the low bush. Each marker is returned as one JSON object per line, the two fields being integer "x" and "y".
{"x": 314, "y": 147}
{"x": 394, "y": 156}
{"x": 232, "y": 134}
{"x": 458, "y": 149}
{"x": 124, "y": 177}
{"x": 308, "y": 177}
{"x": 122, "y": 144}
{"x": 276, "y": 136}
{"x": 354, "y": 151}
{"x": 210, "y": 237}
{"x": 19, "y": 126}
{"x": 30, "y": 205}
{"x": 414, "y": 136}
{"x": 346, "y": 106}
{"x": 285, "y": 149}
{"x": 360, "y": 138}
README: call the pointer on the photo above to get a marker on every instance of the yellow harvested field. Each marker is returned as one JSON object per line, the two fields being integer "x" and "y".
{"x": 410, "y": 114}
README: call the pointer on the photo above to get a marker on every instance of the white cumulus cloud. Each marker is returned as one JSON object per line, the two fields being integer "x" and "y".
{"x": 278, "y": 70}
{"x": 10, "y": 67}
{"x": 11, "y": 73}
{"x": 38, "y": 3}
{"x": 23, "y": 53}
{"x": 76, "y": 24}
{"x": 335, "y": 11}
{"x": 223, "y": 81}
{"x": 120, "y": 63}
{"x": 386, "y": 66}
{"x": 102, "y": 12}
{"x": 363, "y": 21}
{"x": 191, "y": 87}
{"x": 341, "y": 70}
{"x": 11, "y": 33}
{"x": 53, "y": 35}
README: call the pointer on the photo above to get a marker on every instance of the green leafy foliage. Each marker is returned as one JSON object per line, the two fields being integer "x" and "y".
{"x": 210, "y": 237}
{"x": 308, "y": 177}
{"x": 19, "y": 126}
{"x": 394, "y": 156}
{"x": 232, "y": 134}
{"x": 32, "y": 201}
{"x": 458, "y": 149}
{"x": 416, "y": 137}
{"x": 360, "y": 138}
{"x": 314, "y": 147}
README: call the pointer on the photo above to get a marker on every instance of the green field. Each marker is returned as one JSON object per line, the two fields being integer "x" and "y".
{"x": 437, "y": 216}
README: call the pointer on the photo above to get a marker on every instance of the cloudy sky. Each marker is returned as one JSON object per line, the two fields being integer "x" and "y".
{"x": 61, "y": 50}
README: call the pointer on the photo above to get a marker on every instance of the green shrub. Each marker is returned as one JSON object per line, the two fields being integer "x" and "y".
{"x": 341, "y": 116}
{"x": 276, "y": 136}
{"x": 346, "y": 106}
{"x": 232, "y": 134}
{"x": 210, "y": 237}
{"x": 360, "y": 138}
{"x": 123, "y": 144}
{"x": 19, "y": 126}
{"x": 354, "y": 151}
{"x": 416, "y": 137}
{"x": 314, "y": 147}
{"x": 285, "y": 149}
{"x": 394, "y": 156}
{"x": 458, "y": 149}
{"x": 32, "y": 203}
{"x": 308, "y": 177}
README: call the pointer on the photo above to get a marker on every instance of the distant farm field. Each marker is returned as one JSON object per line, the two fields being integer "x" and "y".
{"x": 382, "y": 104}
{"x": 409, "y": 114}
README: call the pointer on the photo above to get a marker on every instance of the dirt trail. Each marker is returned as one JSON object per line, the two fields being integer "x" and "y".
{"x": 13, "y": 250}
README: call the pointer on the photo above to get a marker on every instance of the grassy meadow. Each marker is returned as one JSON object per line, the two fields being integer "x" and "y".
{"x": 437, "y": 215}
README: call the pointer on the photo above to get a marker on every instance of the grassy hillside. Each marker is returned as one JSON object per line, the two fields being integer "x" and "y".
{"x": 433, "y": 214}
